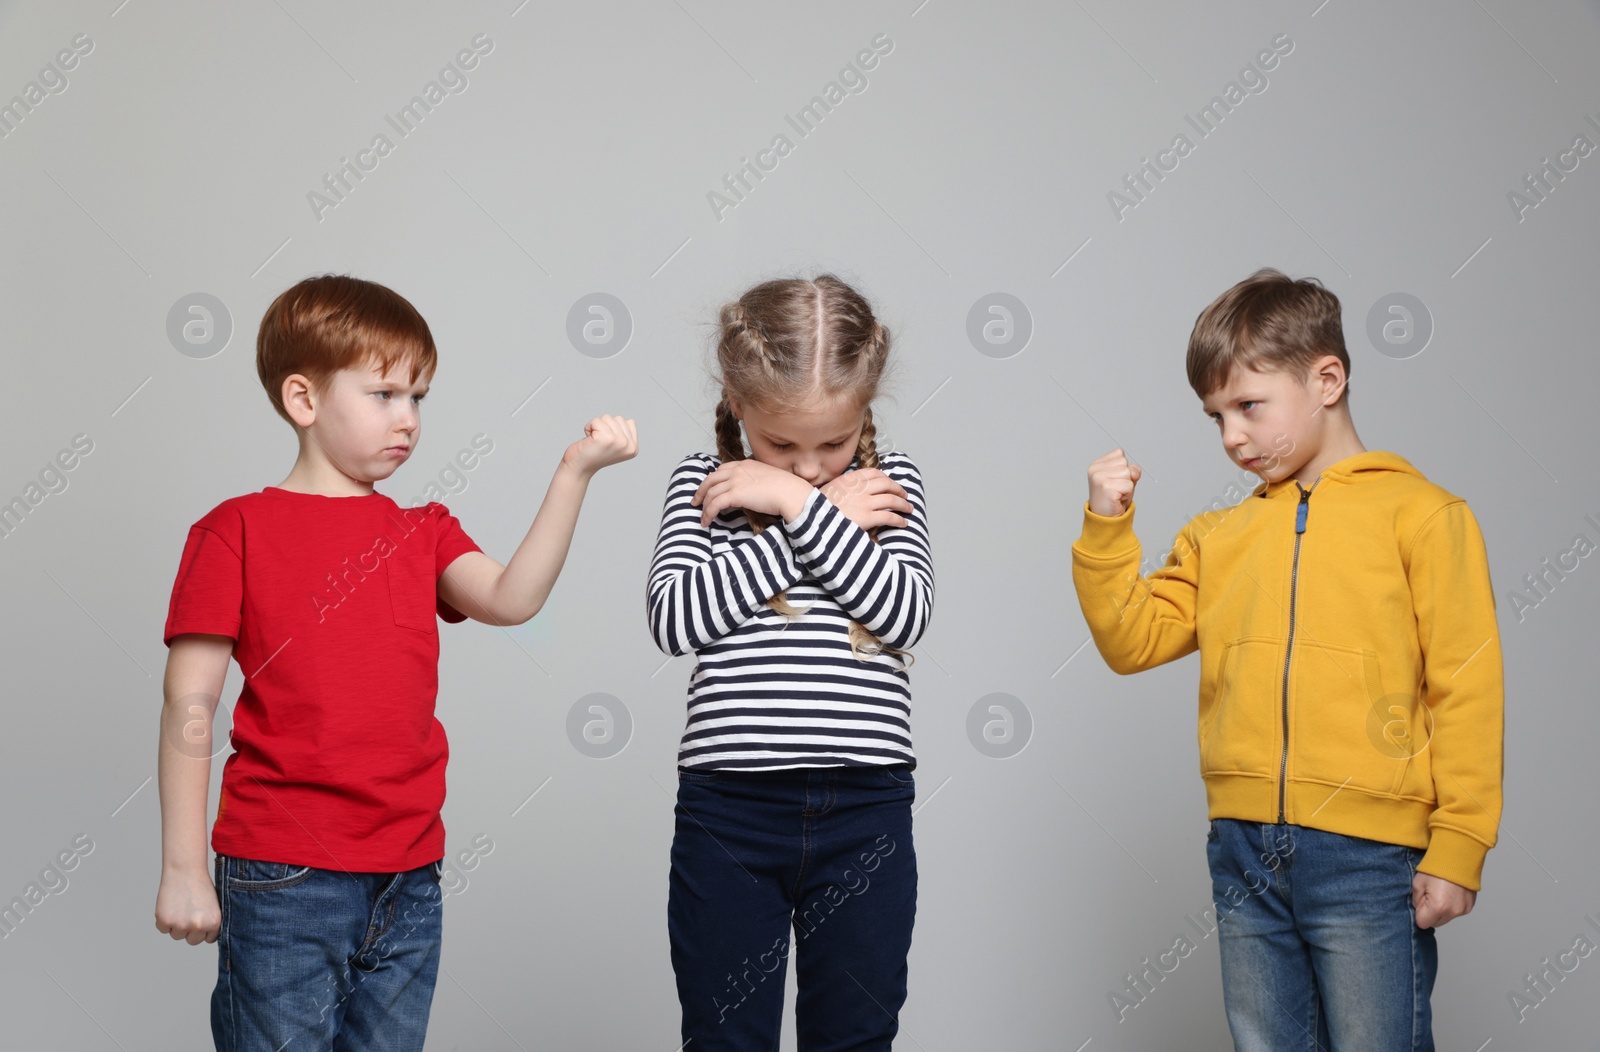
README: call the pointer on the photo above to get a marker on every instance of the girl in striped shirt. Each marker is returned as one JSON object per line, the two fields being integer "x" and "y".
{"x": 795, "y": 564}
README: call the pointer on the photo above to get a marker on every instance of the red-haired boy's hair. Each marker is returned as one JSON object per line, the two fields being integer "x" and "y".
{"x": 333, "y": 322}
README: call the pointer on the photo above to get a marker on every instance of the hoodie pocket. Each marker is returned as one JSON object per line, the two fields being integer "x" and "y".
{"x": 1345, "y": 731}
{"x": 1239, "y": 732}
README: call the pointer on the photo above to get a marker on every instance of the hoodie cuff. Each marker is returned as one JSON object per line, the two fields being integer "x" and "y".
{"x": 1107, "y": 536}
{"x": 1455, "y": 857}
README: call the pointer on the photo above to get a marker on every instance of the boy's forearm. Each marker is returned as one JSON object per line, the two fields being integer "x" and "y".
{"x": 183, "y": 778}
{"x": 525, "y": 584}
{"x": 191, "y": 689}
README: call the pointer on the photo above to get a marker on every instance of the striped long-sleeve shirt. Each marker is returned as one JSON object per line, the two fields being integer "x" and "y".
{"x": 771, "y": 692}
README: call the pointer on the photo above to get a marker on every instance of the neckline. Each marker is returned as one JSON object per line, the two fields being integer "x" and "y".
{"x": 277, "y": 490}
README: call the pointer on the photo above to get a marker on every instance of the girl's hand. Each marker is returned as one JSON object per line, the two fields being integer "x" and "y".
{"x": 186, "y": 907}
{"x": 752, "y": 486}
{"x": 607, "y": 440}
{"x": 1111, "y": 482}
{"x": 869, "y": 498}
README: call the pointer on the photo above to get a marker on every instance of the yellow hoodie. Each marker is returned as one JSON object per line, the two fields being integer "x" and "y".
{"x": 1350, "y": 667}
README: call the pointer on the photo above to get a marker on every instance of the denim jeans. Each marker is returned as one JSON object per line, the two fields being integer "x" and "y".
{"x": 817, "y": 863}
{"x": 323, "y": 959}
{"x": 1319, "y": 942}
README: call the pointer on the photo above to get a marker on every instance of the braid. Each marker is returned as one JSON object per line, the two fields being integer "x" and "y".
{"x": 730, "y": 441}
{"x": 739, "y": 330}
{"x": 867, "y": 446}
{"x": 730, "y": 447}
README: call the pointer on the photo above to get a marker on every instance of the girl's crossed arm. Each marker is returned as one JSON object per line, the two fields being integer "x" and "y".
{"x": 693, "y": 597}
{"x": 886, "y": 586}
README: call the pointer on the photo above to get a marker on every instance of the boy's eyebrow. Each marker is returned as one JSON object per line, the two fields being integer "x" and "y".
{"x": 396, "y": 385}
{"x": 1247, "y": 396}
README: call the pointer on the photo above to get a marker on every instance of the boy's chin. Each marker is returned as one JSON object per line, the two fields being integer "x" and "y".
{"x": 1264, "y": 472}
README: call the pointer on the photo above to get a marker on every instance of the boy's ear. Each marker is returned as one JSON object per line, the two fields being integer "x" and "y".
{"x": 1328, "y": 372}
{"x": 299, "y": 400}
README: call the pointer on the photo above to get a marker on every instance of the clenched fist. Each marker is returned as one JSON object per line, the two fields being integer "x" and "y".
{"x": 607, "y": 440}
{"x": 1111, "y": 482}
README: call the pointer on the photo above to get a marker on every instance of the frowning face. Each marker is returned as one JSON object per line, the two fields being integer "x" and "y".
{"x": 363, "y": 422}
{"x": 1272, "y": 423}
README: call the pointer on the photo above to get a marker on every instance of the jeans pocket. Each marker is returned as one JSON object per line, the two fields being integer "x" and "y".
{"x": 899, "y": 775}
{"x": 248, "y": 874}
{"x": 437, "y": 870}
{"x": 1211, "y": 832}
{"x": 696, "y": 776}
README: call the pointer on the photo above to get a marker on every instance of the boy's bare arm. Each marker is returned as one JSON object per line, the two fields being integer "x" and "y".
{"x": 186, "y": 904}
{"x": 479, "y": 587}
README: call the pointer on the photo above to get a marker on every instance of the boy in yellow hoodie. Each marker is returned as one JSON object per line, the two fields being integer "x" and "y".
{"x": 1351, "y": 691}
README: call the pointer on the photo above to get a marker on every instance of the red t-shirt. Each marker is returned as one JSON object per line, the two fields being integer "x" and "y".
{"x": 338, "y": 760}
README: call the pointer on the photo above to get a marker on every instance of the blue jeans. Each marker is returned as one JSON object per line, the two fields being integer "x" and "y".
{"x": 817, "y": 863}
{"x": 323, "y": 959}
{"x": 1320, "y": 945}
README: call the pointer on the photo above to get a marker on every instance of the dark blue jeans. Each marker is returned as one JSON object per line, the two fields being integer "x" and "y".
{"x": 815, "y": 863}
{"x": 1320, "y": 946}
{"x": 321, "y": 959}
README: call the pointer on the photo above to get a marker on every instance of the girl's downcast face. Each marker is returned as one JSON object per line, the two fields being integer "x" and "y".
{"x": 815, "y": 441}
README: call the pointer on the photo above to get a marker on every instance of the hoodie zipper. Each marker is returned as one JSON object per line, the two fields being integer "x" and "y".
{"x": 1294, "y": 580}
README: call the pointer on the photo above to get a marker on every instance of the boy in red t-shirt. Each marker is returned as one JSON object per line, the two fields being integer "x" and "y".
{"x": 325, "y": 897}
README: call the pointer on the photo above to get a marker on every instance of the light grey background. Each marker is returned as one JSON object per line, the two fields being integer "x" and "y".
{"x": 978, "y": 160}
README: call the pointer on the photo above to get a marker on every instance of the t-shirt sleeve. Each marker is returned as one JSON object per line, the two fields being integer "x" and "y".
{"x": 451, "y": 544}
{"x": 208, "y": 594}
